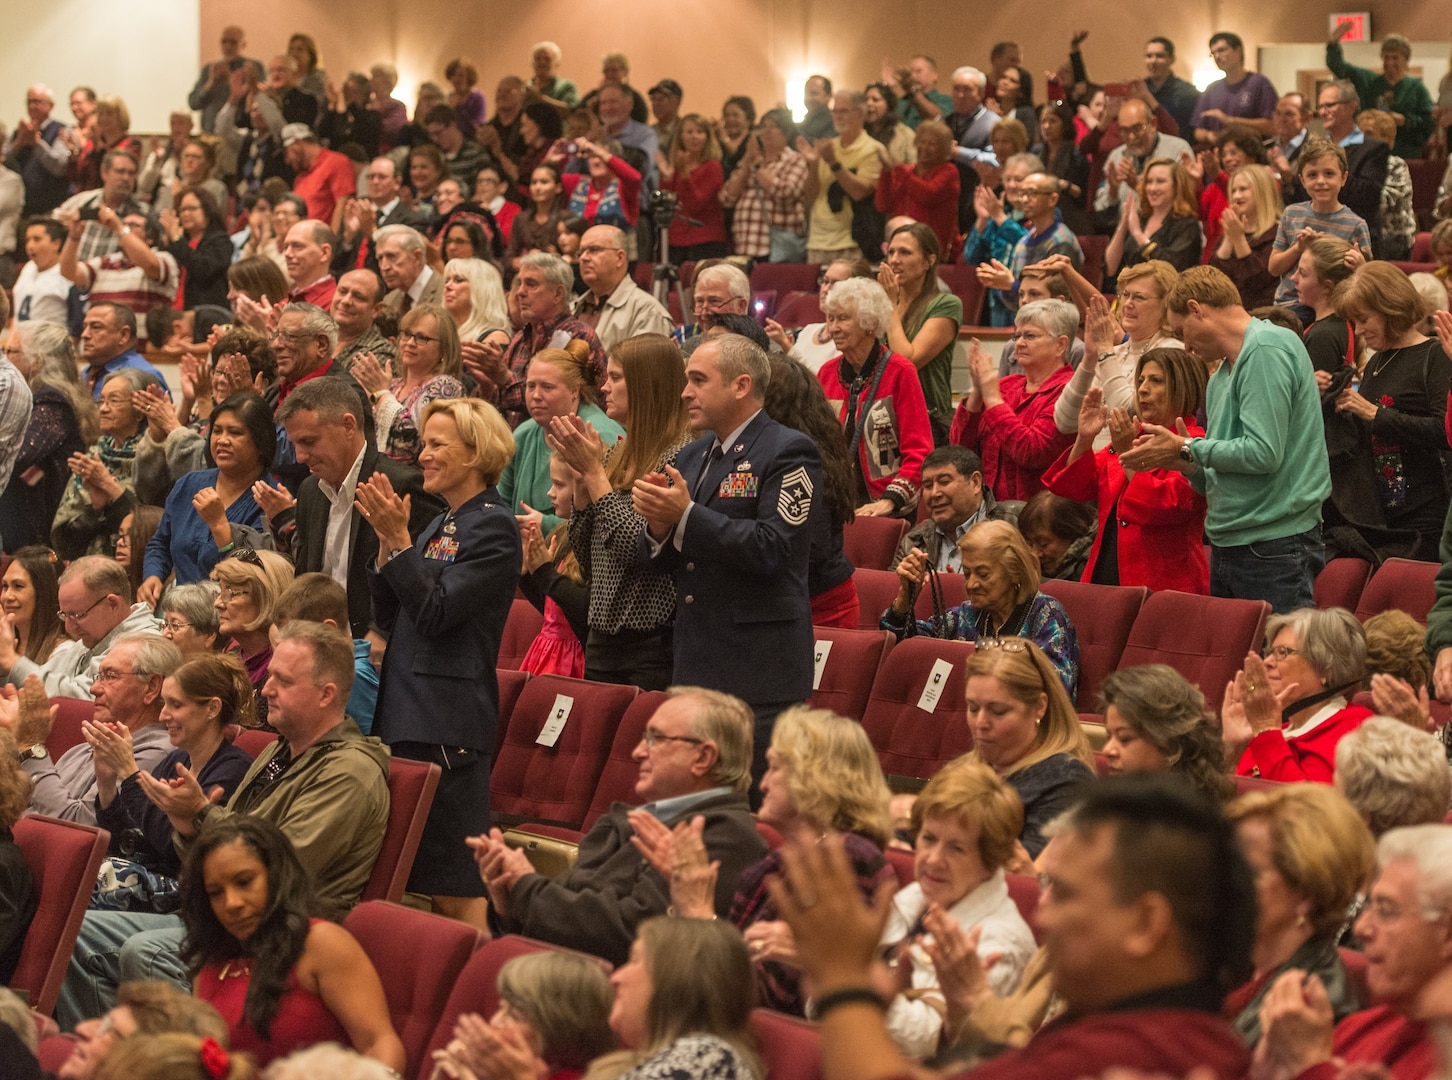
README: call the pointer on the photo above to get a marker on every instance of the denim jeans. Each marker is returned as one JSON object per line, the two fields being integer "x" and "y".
{"x": 116, "y": 947}
{"x": 1278, "y": 571}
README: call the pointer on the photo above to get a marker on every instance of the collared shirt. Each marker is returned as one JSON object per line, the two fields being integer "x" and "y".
{"x": 628, "y": 310}
{"x": 420, "y": 283}
{"x": 336, "y": 551}
{"x": 95, "y": 377}
{"x": 381, "y": 213}
{"x": 679, "y": 533}
{"x": 677, "y": 805}
{"x": 950, "y": 559}
{"x": 1288, "y": 149}
{"x": 1355, "y": 137}
{"x": 319, "y": 292}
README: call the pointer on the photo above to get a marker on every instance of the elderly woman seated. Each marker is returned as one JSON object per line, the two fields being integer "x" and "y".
{"x": 1157, "y": 722}
{"x": 878, "y": 398}
{"x": 1284, "y": 715}
{"x": 189, "y": 617}
{"x": 1010, "y": 421}
{"x": 1394, "y": 775}
{"x": 1002, "y": 580}
{"x": 1311, "y": 855}
{"x": 967, "y": 821}
{"x": 822, "y": 774}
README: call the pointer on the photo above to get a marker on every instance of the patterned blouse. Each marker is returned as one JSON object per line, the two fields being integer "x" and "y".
{"x": 605, "y": 536}
{"x": 762, "y": 207}
{"x": 398, "y": 418}
{"x": 695, "y": 1057}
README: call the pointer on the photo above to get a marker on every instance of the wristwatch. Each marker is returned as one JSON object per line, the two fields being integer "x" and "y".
{"x": 1185, "y": 452}
{"x": 34, "y": 752}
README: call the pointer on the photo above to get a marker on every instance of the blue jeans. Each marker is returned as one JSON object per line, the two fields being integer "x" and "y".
{"x": 1278, "y": 571}
{"x": 116, "y": 947}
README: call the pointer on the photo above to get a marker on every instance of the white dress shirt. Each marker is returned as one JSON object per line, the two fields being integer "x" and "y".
{"x": 336, "y": 549}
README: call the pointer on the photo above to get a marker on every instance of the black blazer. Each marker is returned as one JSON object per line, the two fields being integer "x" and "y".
{"x": 301, "y": 530}
{"x": 447, "y": 620}
{"x": 743, "y": 614}
{"x": 206, "y": 267}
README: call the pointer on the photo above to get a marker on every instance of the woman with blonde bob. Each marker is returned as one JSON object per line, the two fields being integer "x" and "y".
{"x": 1025, "y": 728}
{"x": 429, "y": 352}
{"x": 1004, "y": 602}
{"x": 443, "y": 595}
{"x": 1311, "y": 855}
{"x": 249, "y": 584}
{"x": 632, "y": 608}
{"x": 822, "y": 774}
{"x": 967, "y": 821}
{"x": 1248, "y": 232}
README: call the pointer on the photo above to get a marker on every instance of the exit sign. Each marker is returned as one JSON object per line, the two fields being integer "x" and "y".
{"x": 1360, "y": 24}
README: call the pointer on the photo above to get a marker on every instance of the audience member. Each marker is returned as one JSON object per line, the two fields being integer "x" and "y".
{"x": 1045, "y": 235}
{"x": 924, "y": 321}
{"x": 118, "y": 171}
{"x": 41, "y": 292}
{"x": 1394, "y": 775}
{"x": 881, "y": 121}
{"x": 141, "y": 1010}
{"x": 1125, "y": 164}
{"x": 1314, "y": 659}
{"x": 1152, "y": 522}
{"x": 189, "y": 618}
{"x": 1248, "y": 230}
{"x": 971, "y": 122}
{"x": 431, "y": 359}
{"x": 249, "y": 583}
{"x": 28, "y": 599}
{"x": 38, "y": 152}
{"x": 1393, "y": 90}
{"x": 1157, "y": 721}
{"x": 1243, "y": 97}
{"x": 1175, "y": 95}
{"x": 613, "y": 305}
{"x": 357, "y": 304}
{"x": 1060, "y": 533}
{"x": 841, "y": 173}
{"x": 18, "y": 895}
{"x": 695, "y": 763}
{"x": 955, "y": 499}
{"x": 817, "y": 99}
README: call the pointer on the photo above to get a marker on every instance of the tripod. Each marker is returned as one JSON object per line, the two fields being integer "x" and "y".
{"x": 665, "y": 276}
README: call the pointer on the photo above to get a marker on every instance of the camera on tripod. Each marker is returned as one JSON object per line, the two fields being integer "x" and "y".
{"x": 662, "y": 208}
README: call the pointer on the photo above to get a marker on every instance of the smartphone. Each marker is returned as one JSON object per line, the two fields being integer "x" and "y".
{"x": 89, "y": 213}
{"x": 572, "y": 148}
{"x": 1117, "y": 90}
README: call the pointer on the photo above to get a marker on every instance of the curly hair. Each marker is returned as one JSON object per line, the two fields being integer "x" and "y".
{"x": 795, "y": 399}
{"x": 832, "y": 772}
{"x": 282, "y": 931}
{"x": 14, "y": 784}
{"x": 1168, "y": 712}
{"x": 1394, "y": 646}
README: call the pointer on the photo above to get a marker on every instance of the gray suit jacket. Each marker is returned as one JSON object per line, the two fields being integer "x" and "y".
{"x": 433, "y": 293}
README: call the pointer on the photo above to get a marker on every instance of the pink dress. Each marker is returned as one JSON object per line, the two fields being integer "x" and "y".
{"x": 556, "y": 650}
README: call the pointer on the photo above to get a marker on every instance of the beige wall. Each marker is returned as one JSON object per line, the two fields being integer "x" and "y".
{"x": 754, "y": 46}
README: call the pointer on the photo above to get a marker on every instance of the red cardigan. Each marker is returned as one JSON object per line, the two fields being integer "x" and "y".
{"x": 898, "y": 435}
{"x": 1311, "y": 756}
{"x": 1018, "y": 439}
{"x": 1161, "y": 518}
{"x": 1382, "y": 1036}
{"x": 931, "y": 199}
{"x": 700, "y": 194}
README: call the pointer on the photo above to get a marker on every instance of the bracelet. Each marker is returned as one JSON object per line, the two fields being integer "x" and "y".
{"x": 852, "y": 995}
{"x": 229, "y": 547}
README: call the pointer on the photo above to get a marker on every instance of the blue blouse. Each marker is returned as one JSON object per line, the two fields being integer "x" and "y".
{"x": 182, "y": 541}
{"x": 1047, "y": 625}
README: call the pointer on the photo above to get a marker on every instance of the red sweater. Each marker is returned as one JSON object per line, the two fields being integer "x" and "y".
{"x": 327, "y": 183}
{"x": 897, "y": 436}
{"x": 700, "y": 193}
{"x": 1382, "y": 1036}
{"x": 1161, "y": 518}
{"x": 931, "y": 199}
{"x": 1018, "y": 439}
{"x": 1167, "y": 1042}
{"x": 1311, "y": 756}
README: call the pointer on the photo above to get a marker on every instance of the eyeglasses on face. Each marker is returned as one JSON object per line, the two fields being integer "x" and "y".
{"x": 175, "y": 626}
{"x": 652, "y": 737}
{"x": 405, "y": 336}
{"x": 1280, "y": 653}
{"x": 77, "y": 616}
{"x": 111, "y": 675}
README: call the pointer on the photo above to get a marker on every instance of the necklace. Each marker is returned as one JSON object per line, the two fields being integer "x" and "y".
{"x": 242, "y": 969}
{"x": 1390, "y": 356}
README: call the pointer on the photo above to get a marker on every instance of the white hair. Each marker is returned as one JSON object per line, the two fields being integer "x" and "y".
{"x": 327, "y": 1061}
{"x": 865, "y": 299}
{"x": 409, "y": 238}
{"x": 1058, "y": 318}
{"x": 388, "y": 72}
{"x": 549, "y": 47}
{"x": 1430, "y": 847}
{"x": 967, "y": 72}
{"x": 557, "y": 272}
{"x": 488, "y": 309}
{"x": 738, "y": 285}
{"x": 1393, "y": 774}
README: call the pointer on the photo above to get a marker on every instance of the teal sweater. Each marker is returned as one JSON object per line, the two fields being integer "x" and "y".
{"x": 1263, "y": 465}
{"x": 526, "y": 479}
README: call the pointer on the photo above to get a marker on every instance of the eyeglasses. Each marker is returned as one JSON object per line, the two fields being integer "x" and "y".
{"x": 175, "y": 626}
{"x": 405, "y": 336}
{"x": 709, "y": 303}
{"x": 115, "y": 401}
{"x": 1327, "y": 106}
{"x": 1281, "y": 653}
{"x": 652, "y": 737}
{"x": 77, "y": 616}
{"x": 1137, "y": 298}
{"x": 1134, "y": 131}
{"x": 110, "y": 675}
{"x": 1026, "y": 336}
{"x": 229, "y": 594}
{"x": 290, "y": 336}
{"x": 595, "y": 249}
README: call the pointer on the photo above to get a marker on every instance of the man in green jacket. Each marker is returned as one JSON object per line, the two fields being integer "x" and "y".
{"x": 1393, "y": 91}
{"x": 1262, "y": 463}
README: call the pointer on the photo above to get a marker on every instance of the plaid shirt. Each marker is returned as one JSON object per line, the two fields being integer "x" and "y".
{"x": 14, "y": 417}
{"x": 530, "y": 339}
{"x": 97, "y": 240}
{"x": 778, "y": 204}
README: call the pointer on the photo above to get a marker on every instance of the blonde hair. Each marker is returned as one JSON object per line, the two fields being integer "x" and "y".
{"x": 1005, "y": 545}
{"x": 969, "y": 792}
{"x": 832, "y": 772}
{"x": 450, "y": 354}
{"x": 1319, "y": 845}
{"x": 481, "y": 429}
{"x": 263, "y": 583}
{"x": 710, "y": 152}
{"x": 1026, "y": 673}
{"x": 488, "y": 310}
{"x": 1267, "y": 195}
{"x": 1394, "y": 646}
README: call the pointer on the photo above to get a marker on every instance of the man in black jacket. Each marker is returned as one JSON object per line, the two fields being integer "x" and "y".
{"x": 322, "y": 531}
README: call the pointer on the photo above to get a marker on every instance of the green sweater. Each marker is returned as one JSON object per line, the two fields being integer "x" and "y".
{"x": 1263, "y": 465}
{"x": 1408, "y": 97}
{"x": 526, "y": 479}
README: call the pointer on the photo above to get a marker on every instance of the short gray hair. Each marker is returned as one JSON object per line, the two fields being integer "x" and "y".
{"x": 1346, "y": 91}
{"x": 329, "y": 397}
{"x": 315, "y": 321}
{"x": 1033, "y": 161}
{"x": 1430, "y": 847}
{"x": 133, "y": 377}
{"x": 856, "y": 97}
{"x": 99, "y": 575}
{"x": 738, "y": 285}
{"x": 1057, "y": 318}
{"x": 409, "y": 238}
{"x": 862, "y": 297}
{"x": 741, "y": 356}
{"x": 1393, "y": 774}
{"x": 726, "y": 721}
{"x": 154, "y": 655}
{"x": 969, "y": 72}
{"x": 196, "y": 602}
{"x": 557, "y": 272}
{"x": 548, "y": 46}
{"x": 327, "y": 1061}
{"x": 1331, "y": 639}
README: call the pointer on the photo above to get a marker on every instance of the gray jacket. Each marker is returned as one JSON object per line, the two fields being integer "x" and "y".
{"x": 72, "y": 667}
{"x": 925, "y": 535}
